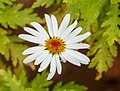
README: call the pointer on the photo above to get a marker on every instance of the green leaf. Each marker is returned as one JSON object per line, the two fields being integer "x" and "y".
{"x": 46, "y": 3}
{"x": 3, "y": 3}
{"x": 39, "y": 83}
{"x": 73, "y": 8}
{"x": 58, "y": 2}
{"x": 103, "y": 58}
{"x": 14, "y": 17}
{"x": 16, "y": 50}
{"x": 4, "y": 40}
{"x": 70, "y": 1}
{"x": 113, "y": 50}
{"x": 71, "y": 86}
{"x": 29, "y": 89}
{"x": 10, "y": 81}
{"x": 114, "y": 1}
{"x": 22, "y": 76}
{"x": 113, "y": 32}
{"x": 90, "y": 9}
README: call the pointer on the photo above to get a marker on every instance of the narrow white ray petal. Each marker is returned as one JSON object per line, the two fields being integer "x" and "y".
{"x": 52, "y": 68}
{"x": 49, "y": 25}
{"x": 40, "y": 29}
{"x": 33, "y": 50}
{"x": 59, "y": 66}
{"x": 31, "y": 31}
{"x": 64, "y": 24}
{"x": 54, "y": 25}
{"x": 83, "y": 59}
{"x": 53, "y": 64}
{"x": 78, "y": 38}
{"x": 45, "y": 63}
{"x": 73, "y": 33}
{"x": 78, "y": 46}
{"x": 50, "y": 75}
{"x": 63, "y": 59}
{"x": 31, "y": 38}
{"x": 31, "y": 58}
{"x": 35, "y": 33}
{"x": 41, "y": 57}
{"x": 70, "y": 59}
{"x": 68, "y": 30}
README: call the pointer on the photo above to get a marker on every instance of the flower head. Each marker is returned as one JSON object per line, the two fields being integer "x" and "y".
{"x": 56, "y": 45}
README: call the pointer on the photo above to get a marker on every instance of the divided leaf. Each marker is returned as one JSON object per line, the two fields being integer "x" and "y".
{"x": 114, "y": 1}
{"x": 113, "y": 32}
{"x": 15, "y": 50}
{"x": 3, "y": 3}
{"x": 39, "y": 83}
{"x": 13, "y": 16}
{"x": 46, "y": 3}
{"x": 90, "y": 9}
{"x": 10, "y": 81}
{"x": 103, "y": 57}
{"x": 73, "y": 8}
{"x": 71, "y": 86}
{"x": 4, "y": 40}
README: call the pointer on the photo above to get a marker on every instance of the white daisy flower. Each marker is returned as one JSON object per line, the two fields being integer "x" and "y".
{"x": 56, "y": 45}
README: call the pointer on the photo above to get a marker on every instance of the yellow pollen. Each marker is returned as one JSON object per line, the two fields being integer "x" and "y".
{"x": 55, "y": 45}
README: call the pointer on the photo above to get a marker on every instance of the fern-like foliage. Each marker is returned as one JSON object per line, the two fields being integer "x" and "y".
{"x": 4, "y": 40}
{"x": 103, "y": 58}
{"x": 14, "y": 50}
{"x": 13, "y": 16}
{"x": 7, "y": 78}
{"x": 4, "y": 2}
{"x": 113, "y": 32}
{"x": 40, "y": 82}
{"x": 46, "y": 3}
{"x": 104, "y": 49}
{"x": 114, "y": 1}
{"x": 10, "y": 81}
{"x": 100, "y": 17}
{"x": 71, "y": 86}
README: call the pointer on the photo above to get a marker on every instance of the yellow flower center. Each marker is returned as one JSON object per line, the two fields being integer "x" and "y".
{"x": 55, "y": 45}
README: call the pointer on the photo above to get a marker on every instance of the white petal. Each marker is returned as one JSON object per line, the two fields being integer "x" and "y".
{"x": 50, "y": 75}
{"x": 52, "y": 69}
{"x": 74, "y": 33}
{"x": 53, "y": 64}
{"x": 31, "y": 38}
{"x": 81, "y": 57}
{"x": 31, "y": 58}
{"x": 59, "y": 67}
{"x": 45, "y": 63}
{"x": 63, "y": 59}
{"x": 70, "y": 59}
{"x": 78, "y": 46}
{"x": 35, "y": 33}
{"x": 78, "y": 38}
{"x": 64, "y": 24}
{"x": 41, "y": 57}
{"x": 33, "y": 50}
{"x": 49, "y": 25}
{"x": 54, "y": 25}
{"x": 40, "y": 29}
{"x": 68, "y": 30}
